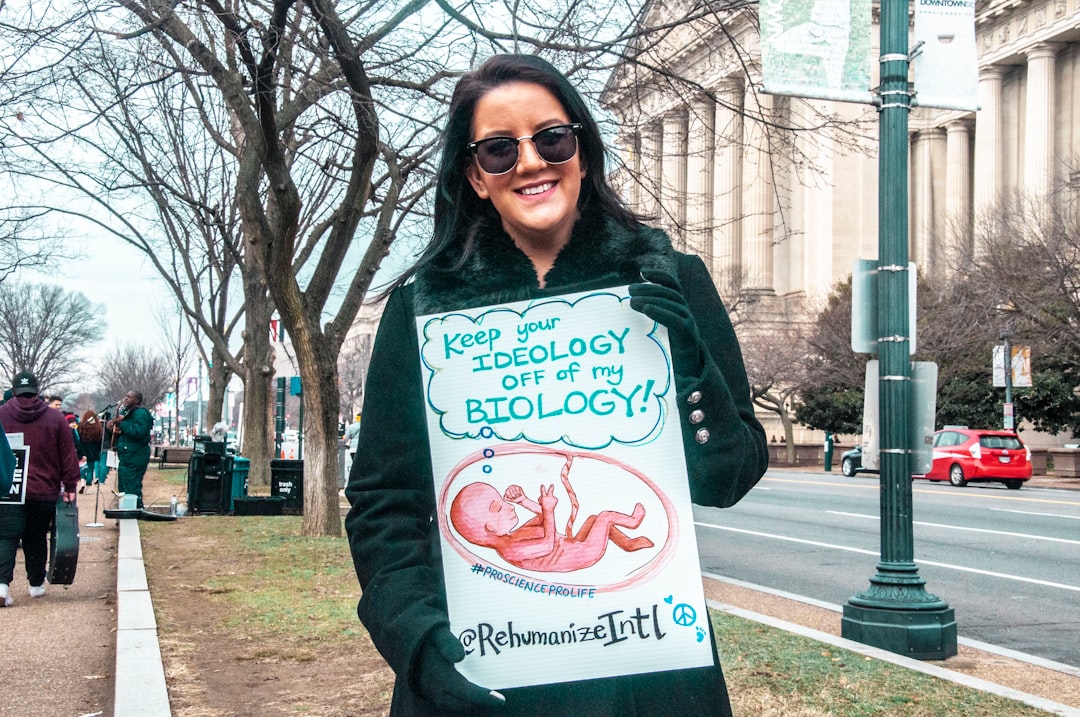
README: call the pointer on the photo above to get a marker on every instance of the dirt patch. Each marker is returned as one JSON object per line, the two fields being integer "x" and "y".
{"x": 214, "y": 669}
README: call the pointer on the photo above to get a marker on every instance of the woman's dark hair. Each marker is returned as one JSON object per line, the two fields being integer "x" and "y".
{"x": 459, "y": 212}
{"x": 90, "y": 428}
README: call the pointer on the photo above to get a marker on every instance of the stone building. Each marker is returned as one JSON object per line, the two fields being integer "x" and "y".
{"x": 780, "y": 194}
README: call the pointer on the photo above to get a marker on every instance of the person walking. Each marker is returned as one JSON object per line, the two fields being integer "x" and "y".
{"x": 352, "y": 437}
{"x": 131, "y": 430}
{"x": 90, "y": 433}
{"x": 52, "y": 471}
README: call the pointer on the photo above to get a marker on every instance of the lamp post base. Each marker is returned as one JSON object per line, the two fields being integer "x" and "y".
{"x": 916, "y": 633}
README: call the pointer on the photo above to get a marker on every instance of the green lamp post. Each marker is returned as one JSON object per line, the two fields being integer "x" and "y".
{"x": 896, "y": 613}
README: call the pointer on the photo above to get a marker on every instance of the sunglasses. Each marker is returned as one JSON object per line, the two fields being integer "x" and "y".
{"x": 555, "y": 145}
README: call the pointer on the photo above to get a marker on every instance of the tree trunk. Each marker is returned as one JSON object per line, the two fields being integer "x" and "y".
{"x": 318, "y": 374}
{"x": 258, "y": 383}
{"x": 789, "y": 435}
{"x": 217, "y": 375}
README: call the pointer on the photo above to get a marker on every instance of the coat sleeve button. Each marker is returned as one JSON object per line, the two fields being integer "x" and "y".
{"x": 694, "y": 398}
{"x": 697, "y": 416}
{"x": 702, "y": 435}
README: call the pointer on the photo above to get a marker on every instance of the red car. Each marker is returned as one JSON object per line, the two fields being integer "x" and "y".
{"x": 962, "y": 455}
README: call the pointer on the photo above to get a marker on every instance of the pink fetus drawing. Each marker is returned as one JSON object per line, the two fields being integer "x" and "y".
{"x": 485, "y": 518}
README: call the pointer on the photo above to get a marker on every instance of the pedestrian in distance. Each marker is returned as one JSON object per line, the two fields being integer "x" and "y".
{"x": 523, "y": 209}
{"x": 90, "y": 435}
{"x": 52, "y": 472}
{"x": 131, "y": 431}
{"x": 352, "y": 437}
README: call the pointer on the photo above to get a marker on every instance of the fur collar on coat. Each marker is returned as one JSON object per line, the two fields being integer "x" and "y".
{"x": 601, "y": 252}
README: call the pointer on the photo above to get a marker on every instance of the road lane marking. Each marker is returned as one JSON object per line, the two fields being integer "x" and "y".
{"x": 1031, "y": 512}
{"x": 876, "y": 485}
{"x": 961, "y": 568}
{"x": 960, "y": 527}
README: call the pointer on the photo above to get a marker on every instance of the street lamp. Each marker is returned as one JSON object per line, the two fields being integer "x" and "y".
{"x": 1007, "y": 309}
{"x": 896, "y": 612}
{"x": 1006, "y": 338}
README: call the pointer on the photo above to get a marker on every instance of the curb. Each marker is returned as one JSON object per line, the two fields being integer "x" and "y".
{"x": 900, "y": 660}
{"x": 139, "y": 676}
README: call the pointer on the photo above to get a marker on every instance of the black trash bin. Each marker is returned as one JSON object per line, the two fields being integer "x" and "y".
{"x": 287, "y": 480}
{"x": 210, "y": 481}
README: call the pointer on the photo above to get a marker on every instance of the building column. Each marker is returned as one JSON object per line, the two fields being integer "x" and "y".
{"x": 699, "y": 178}
{"x": 958, "y": 184}
{"x": 757, "y": 187}
{"x": 632, "y": 172}
{"x": 1039, "y": 120}
{"x": 989, "y": 166}
{"x": 727, "y": 186}
{"x": 649, "y": 179}
{"x": 925, "y": 151}
{"x": 673, "y": 176}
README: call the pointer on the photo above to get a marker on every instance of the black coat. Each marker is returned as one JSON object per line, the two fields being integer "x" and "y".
{"x": 393, "y": 532}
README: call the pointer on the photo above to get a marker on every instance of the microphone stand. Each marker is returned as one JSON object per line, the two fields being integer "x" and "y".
{"x": 97, "y": 496}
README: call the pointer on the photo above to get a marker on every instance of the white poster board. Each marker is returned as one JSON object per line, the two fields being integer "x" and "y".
{"x": 567, "y": 536}
{"x": 17, "y": 494}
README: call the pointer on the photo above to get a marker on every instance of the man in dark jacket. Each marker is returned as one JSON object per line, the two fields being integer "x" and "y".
{"x": 52, "y": 470}
{"x": 132, "y": 432}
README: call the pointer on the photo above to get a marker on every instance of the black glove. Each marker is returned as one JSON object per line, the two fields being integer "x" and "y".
{"x": 439, "y": 683}
{"x": 661, "y": 300}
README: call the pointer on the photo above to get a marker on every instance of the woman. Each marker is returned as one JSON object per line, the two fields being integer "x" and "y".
{"x": 523, "y": 210}
{"x": 90, "y": 433}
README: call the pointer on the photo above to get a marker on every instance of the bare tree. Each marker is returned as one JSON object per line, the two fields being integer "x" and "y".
{"x": 136, "y": 368}
{"x": 352, "y": 370}
{"x": 325, "y": 116}
{"x": 44, "y": 329}
{"x": 776, "y": 359}
{"x": 179, "y": 346}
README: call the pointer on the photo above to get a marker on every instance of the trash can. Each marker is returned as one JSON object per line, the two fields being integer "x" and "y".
{"x": 287, "y": 480}
{"x": 240, "y": 468}
{"x": 209, "y": 483}
{"x": 205, "y": 444}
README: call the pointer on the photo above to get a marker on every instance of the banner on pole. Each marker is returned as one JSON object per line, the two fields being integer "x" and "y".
{"x": 1021, "y": 366}
{"x": 816, "y": 48}
{"x": 946, "y": 57}
{"x": 564, "y": 510}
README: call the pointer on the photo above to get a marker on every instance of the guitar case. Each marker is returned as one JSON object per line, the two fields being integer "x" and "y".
{"x": 64, "y": 547}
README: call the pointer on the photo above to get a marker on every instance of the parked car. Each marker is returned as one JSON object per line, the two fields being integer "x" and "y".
{"x": 851, "y": 462}
{"x": 963, "y": 455}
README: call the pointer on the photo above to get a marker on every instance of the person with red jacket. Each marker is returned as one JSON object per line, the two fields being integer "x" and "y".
{"x": 52, "y": 471}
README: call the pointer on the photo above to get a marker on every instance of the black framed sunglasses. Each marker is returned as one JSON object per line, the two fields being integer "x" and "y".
{"x": 555, "y": 145}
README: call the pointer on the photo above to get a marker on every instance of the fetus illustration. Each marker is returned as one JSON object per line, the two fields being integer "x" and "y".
{"x": 489, "y": 519}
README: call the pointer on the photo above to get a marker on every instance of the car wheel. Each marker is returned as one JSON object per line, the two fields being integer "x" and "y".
{"x": 847, "y": 467}
{"x": 1014, "y": 484}
{"x": 956, "y": 476}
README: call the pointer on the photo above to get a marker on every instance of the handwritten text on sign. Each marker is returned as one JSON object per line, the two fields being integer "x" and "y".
{"x": 547, "y": 373}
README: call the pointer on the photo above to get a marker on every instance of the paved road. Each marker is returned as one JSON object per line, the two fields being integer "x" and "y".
{"x": 1007, "y": 561}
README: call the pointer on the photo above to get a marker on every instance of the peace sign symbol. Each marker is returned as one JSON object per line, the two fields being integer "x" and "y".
{"x": 684, "y": 614}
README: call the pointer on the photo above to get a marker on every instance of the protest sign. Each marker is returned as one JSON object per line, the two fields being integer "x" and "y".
{"x": 17, "y": 494}
{"x": 564, "y": 511}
